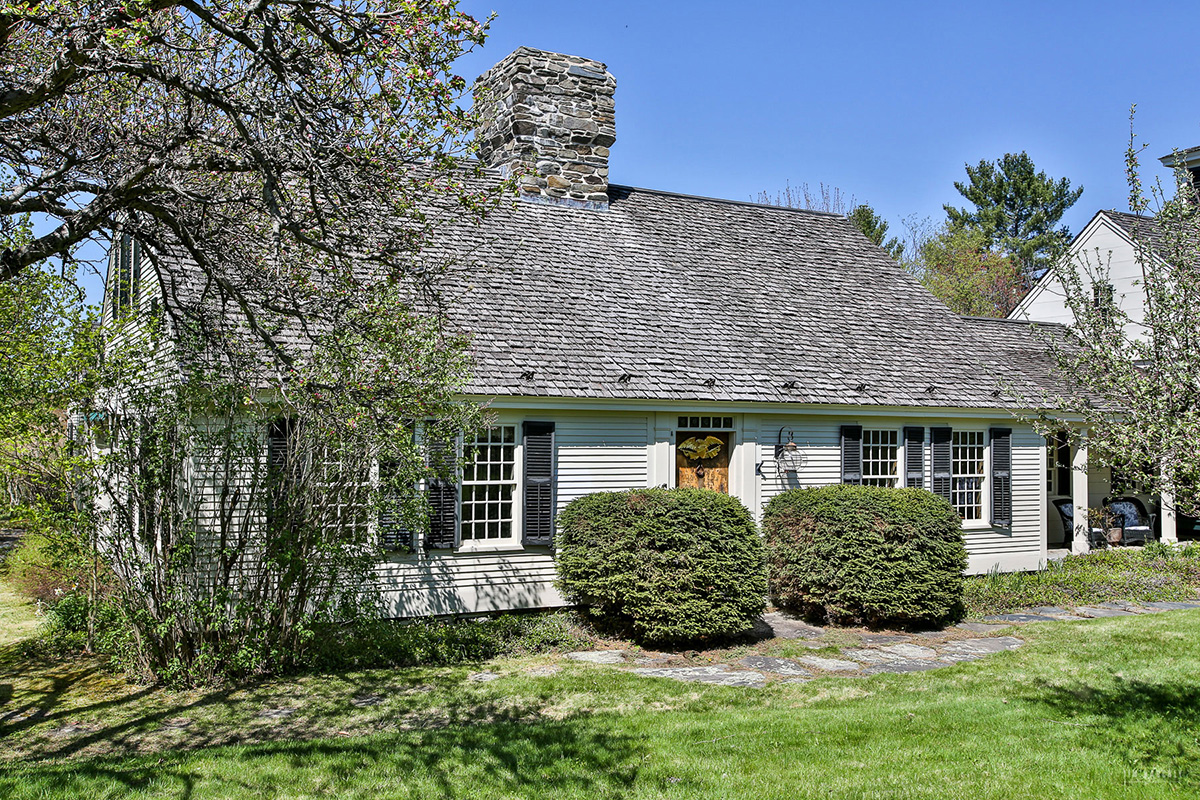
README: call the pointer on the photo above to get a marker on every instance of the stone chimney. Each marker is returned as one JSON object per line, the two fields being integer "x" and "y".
{"x": 1188, "y": 159}
{"x": 549, "y": 117}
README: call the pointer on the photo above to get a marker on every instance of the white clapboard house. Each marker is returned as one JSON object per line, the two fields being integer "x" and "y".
{"x": 617, "y": 328}
{"x": 1106, "y": 255}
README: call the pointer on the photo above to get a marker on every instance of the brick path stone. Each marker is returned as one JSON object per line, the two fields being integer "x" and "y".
{"x": 868, "y": 655}
{"x": 1163, "y": 605}
{"x": 981, "y": 647}
{"x": 783, "y": 626}
{"x": 884, "y": 638}
{"x": 980, "y": 627}
{"x": 1056, "y": 612}
{"x": 1098, "y": 611}
{"x": 910, "y": 651}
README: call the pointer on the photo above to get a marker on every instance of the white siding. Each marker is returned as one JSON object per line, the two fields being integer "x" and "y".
{"x": 595, "y": 452}
{"x": 601, "y": 453}
{"x": 468, "y": 583}
{"x": 618, "y": 450}
{"x": 1021, "y": 547}
{"x": 818, "y": 439}
{"x": 1018, "y": 548}
{"x": 1100, "y": 248}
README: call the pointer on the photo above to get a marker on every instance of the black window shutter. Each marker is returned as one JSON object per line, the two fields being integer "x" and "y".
{"x": 442, "y": 496}
{"x": 279, "y": 445}
{"x": 123, "y": 276}
{"x": 393, "y": 535}
{"x": 1001, "y": 477}
{"x": 539, "y": 483}
{"x": 135, "y": 270}
{"x": 914, "y": 458}
{"x": 941, "y": 452}
{"x": 1062, "y": 462}
{"x": 852, "y": 454}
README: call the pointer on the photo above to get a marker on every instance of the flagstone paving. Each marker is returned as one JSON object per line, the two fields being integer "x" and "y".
{"x": 779, "y": 666}
{"x": 980, "y": 627}
{"x": 830, "y": 664}
{"x": 718, "y": 673}
{"x": 1100, "y": 611}
{"x": 873, "y": 654}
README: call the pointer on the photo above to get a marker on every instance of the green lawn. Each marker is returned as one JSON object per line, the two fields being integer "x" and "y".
{"x": 1108, "y": 708}
{"x": 1129, "y": 574}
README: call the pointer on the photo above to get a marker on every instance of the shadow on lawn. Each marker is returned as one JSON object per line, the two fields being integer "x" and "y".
{"x": 1150, "y": 727}
{"x": 581, "y": 755}
{"x": 46, "y": 721}
{"x": 23, "y": 706}
{"x": 73, "y": 710}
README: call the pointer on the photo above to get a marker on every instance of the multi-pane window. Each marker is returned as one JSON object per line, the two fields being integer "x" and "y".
{"x": 880, "y": 464}
{"x": 1102, "y": 300}
{"x": 966, "y": 489}
{"x": 489, "y": 483}
{"x": 705, "y": 422}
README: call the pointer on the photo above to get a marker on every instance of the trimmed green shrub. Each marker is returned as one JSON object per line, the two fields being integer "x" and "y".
{"x": 866, "y": 554}
{"x": 668, "y": 566}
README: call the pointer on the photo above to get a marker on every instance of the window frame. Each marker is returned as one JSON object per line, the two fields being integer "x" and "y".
{"x": 983, "y": 476}
{"x": 898, "y": 480}
{"x": 513, "y": 541}
{"x": 1104, "y": 300}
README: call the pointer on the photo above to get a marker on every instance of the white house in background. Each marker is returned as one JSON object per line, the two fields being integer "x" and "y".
{"x": 612, "y": 326}
{"x": 1105, "y": 247}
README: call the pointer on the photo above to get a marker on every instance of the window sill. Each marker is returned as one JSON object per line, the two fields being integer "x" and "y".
{"x": 511, "y": 546}
{"x": 976, "y": 525}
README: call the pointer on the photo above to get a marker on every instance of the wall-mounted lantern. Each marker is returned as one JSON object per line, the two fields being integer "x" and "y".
{"x": 789, "y": 458}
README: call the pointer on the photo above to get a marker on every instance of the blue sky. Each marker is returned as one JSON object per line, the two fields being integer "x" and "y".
{"x": 885, "y": 100}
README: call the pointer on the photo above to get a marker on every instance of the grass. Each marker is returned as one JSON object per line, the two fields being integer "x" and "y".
{"x": 1100, "y": 709}
{"x": 1153, "y": 573}
{"x": 17, "y": 619}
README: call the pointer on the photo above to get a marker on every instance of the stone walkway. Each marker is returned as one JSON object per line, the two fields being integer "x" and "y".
{"x": 871, "y": 653}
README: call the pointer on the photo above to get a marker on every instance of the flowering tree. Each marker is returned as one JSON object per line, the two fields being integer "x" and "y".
{"x": 283, "y": 166}
{"x": 1138, "y": 384}
{"x": 960, "y": 269}
{"x": 272, "y": 142}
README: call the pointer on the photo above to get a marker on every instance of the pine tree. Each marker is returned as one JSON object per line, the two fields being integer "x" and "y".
{"x": 875, "y": 228}
{"x": 1016, "y": 209}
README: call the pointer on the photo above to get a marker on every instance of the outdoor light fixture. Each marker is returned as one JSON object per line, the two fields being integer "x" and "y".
{"x": 788, "y": 456}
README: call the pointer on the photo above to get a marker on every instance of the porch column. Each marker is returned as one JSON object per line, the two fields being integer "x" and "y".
{"x": 1166, "y": 502}
{"x": 1080, "y": 542}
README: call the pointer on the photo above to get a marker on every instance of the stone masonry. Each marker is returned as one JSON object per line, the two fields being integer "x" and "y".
{"x": 549, "y": 119}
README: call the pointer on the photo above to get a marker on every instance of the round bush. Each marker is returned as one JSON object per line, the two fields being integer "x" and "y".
{"x": 665, "y": 565}
{"x": 865, "y": 554}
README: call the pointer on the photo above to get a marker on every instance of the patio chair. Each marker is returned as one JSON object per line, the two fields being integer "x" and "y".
{"x": 1137, "y": 525}
{"x": 1066, "y": 512}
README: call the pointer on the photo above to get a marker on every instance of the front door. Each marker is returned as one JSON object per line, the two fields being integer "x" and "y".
{"x": 702, "y": 460}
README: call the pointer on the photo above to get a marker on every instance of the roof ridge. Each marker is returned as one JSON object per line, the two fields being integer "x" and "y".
{"x": 1011, "y": 321}
{"x": 1147, "y": 217}
{"x": 727, "y": 201}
